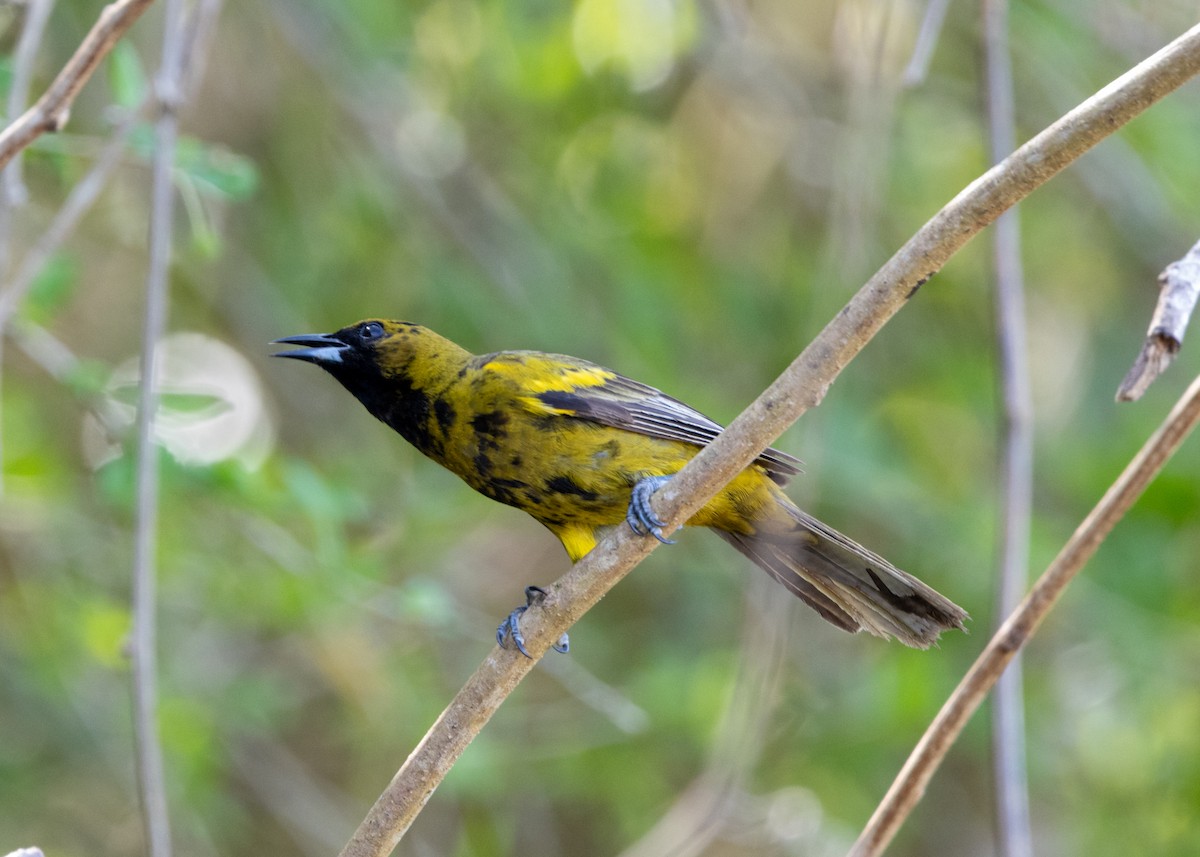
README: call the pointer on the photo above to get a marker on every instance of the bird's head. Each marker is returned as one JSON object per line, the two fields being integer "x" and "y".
{"x": 379, "y": 360}
{"x": 362, "y": 348}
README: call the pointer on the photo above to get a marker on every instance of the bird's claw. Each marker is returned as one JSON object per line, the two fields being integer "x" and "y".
{"x": 641, "y": 519}
{"x": 640, "y": 515}
{"x": 511, "y": 626}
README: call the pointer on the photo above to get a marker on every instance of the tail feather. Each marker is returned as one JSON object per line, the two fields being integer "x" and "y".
{"x": 767, "y": 558}
{"x": 847, "y": 584}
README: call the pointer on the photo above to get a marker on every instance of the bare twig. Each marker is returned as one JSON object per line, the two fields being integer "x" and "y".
{"x": 12, "y": 188}
{"x": 50, "y": 112}
{"x": 927, "y": 39}
{"x": 44, "y": 350}
{"x": 1016, "y": 464}
{"x": 77, "y": 203}
{"x": 85, "y": 192}
{"x": 13, "y": 191}
{"x": 31, "y": 39}
{"x": 151, "y": 780}
{"x": 801, "y": 386}
{"x": 200, "y": 29}
{"x": 1020, "y": 626}
{"x": 1180, "y": 287}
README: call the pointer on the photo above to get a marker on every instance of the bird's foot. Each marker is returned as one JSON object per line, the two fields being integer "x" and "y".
{"x": 511, "y": 626}
{"x": 640, "y": 516}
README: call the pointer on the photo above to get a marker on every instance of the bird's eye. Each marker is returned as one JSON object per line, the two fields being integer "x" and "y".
{"x": 371, "y": 330}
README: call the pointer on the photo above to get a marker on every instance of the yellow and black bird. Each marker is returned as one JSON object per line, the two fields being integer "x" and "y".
{"x": 581, "y": 448}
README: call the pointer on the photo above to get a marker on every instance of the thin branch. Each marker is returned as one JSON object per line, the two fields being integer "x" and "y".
{"x": 12, "y": 188}
{"x": 1016, "y": 464}
{"x": 201, "y": 28}
{"x": 927, "y": 39}
{"x": 45, "y": 350}
{"x": 37, "y": 14}
{"x": 81, "y": 198}
{"x": 1180, "y": 287}
{"x": 151, "y": 780}
{"x": 801, "y": 386}
{"x": 85, "y": 192}
{"x": 83, "y": 195}
{"x": 51, "y": 111}
{"x": 1023, "y": 623}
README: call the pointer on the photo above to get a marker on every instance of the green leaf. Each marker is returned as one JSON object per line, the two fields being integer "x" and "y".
{"x": 88, "y": 378}
{"x": 104, "y": 628}
{"x": 205, "y": 239}
{"x": 216, "y": 169}
{"x": 5, "y": 75}
{"x": 126, "y": 77}
{"x": 195, "y": 403}
{"x": 51, "y": 289}
{"x": 114, "y": 482}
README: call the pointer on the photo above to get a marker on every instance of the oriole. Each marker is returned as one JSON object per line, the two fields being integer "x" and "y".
{"x": 581, "y": 448}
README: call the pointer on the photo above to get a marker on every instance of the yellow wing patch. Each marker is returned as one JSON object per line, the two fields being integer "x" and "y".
{"x": 537, "y": 406}
{"x": 540, "y": 373}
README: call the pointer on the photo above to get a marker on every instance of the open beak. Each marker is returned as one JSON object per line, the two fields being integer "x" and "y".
{"x": 320, "y": 348}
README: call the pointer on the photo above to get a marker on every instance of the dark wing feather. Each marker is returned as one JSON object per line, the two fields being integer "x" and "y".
{"x": 623, "y": 403}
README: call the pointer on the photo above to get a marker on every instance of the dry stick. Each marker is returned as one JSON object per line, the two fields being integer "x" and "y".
{"x": 200, "y": 29}
{"x": 1021, "y": 625}
{"x": 801, "y": 386}
{"x": 36, "y": 16}
{"x": 927, "y": 39}
{"x": 1180, "y": 287}
{"x": 50, "y": 112}
{"x": 148, "y": 748}
{"x": 12, "y": 189}
{"x": 1016, "y": 457}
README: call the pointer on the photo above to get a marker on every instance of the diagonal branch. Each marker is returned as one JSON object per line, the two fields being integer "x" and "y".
{"x": 81, "y": 198}
{"x": 927, "y": 39}
{"x": 50, "y": 112}
{"x": 14, "y": 192}
{"x": 12, "y": 188}
{"x": 1019, "y": 628}
{"x": 84, "y": 194}
{"x": 801, "y": 386}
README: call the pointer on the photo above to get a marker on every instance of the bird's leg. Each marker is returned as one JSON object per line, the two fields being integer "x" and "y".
{"x": 511, "y": 626}
{"x": 640, "y": 516}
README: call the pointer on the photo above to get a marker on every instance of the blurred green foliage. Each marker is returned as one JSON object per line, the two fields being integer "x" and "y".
{"x": 686, "y": 192}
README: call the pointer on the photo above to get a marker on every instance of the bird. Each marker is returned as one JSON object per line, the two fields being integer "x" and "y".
{"x": 582, "y": 448}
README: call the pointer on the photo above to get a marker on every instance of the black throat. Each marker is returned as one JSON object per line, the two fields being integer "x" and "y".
{"x": 395, "y": 401}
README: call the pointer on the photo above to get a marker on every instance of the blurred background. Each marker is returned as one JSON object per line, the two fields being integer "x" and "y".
{"x": 686, "y": 192}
